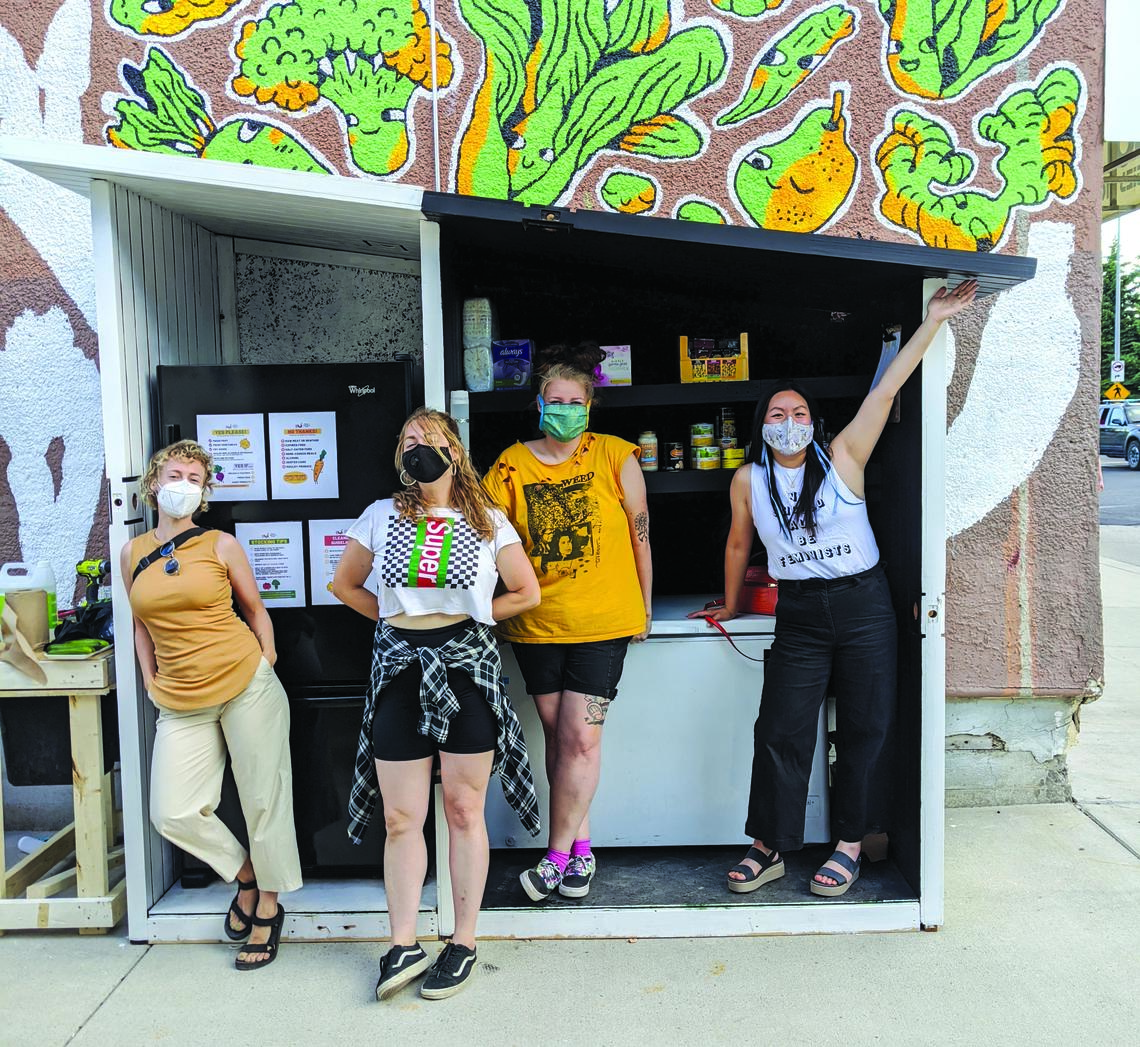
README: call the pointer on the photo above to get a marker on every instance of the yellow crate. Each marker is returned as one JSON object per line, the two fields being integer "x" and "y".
{"x": 714, "y": 368}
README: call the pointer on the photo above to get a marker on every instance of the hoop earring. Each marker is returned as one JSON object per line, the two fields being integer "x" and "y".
{"x": 405, "y": 479}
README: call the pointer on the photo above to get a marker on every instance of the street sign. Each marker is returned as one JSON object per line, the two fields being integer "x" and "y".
{"x": 1116, "y": 372}
{"x": 1117, "y": 392}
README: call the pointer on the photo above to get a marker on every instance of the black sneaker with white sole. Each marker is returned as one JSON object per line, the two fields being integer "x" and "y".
{"x": 452, "y": 968}
{"x": 398, "y": 966}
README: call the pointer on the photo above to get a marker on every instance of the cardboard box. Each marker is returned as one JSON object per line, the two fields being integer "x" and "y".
{"x": 616, "y": 368}
{"x": 32, "y": 614}
{"x": 511, "y": 361}
{"x": 714, "y": 359}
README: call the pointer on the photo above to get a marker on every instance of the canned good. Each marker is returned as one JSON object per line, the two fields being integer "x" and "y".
{"x": 727, "y": 423}
{"x": 732, "y": 458}
{"x": 702, "y": 429}
{"x": 706, "y": 458}
{"x": 674, "y": 460}
{"x": 726, "y": 442}
{"x": 703, "y": 440}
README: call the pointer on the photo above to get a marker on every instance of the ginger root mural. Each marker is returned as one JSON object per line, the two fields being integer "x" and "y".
{"x": 918, "y": 161}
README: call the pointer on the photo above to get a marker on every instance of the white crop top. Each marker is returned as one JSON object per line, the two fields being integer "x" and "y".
{"x": 844, "y": 542}
{"x": 435, "y": 565}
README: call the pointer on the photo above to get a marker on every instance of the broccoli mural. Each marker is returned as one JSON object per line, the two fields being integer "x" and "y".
{"x": 918, "y": 161}
{"x": 628, "y": 192}
{"x": 801, "y": 181}
{"x": 938, "y": 49}
{"x": 565, "y": 80}
{"x": 365, "y": 60}
{"x": 789, "y": 60}
{"x": 166, "y": 17}
{"x": 170, "y": 116}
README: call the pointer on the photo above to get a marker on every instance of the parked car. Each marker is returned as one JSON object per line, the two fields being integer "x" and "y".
{"x": 1120, "y": 431}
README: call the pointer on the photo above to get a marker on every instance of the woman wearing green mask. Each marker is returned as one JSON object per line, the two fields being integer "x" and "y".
{"x": 578, "y": 501}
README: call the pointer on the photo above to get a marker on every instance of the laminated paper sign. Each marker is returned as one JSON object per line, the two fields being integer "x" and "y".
{"x": 236, "y": 443}
{"x": 327, "y": 540}
{"x": 303, "y": 455}
{"x": 278, "y": 561}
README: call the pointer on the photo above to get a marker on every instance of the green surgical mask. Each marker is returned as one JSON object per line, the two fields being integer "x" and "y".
{"x": 563, "y": 422}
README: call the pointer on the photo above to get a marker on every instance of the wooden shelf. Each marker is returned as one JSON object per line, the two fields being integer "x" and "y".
{"x": 675, "y": 394}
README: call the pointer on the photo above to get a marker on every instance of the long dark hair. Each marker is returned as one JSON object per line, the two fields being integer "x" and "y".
{"x": 816, "y": 463}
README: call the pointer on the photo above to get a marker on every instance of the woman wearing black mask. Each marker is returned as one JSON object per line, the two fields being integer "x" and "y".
{"x": 439, "y": 549}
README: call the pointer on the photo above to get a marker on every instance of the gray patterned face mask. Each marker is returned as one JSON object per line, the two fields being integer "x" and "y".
{"x": 788, "y": 436}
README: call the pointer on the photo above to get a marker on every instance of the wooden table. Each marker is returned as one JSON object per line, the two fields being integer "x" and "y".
{"x": 97, "y": 906}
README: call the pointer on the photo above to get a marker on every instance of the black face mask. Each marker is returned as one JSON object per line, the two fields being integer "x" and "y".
{"x": 426, "y": 464}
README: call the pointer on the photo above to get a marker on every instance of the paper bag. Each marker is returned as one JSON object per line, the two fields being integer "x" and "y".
{"x": 15, "y": 648}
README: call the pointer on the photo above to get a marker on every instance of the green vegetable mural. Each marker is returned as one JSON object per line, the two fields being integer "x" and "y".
{"x": 787, "y": 62}
{"x": 169, "y": 116}
{"x": 366, "y": 59}
{"x": 628, "y": 192}
{"x": 165, "y": 17}
{"x": 696, "y": 210}
{"x": 801, "y": 181}
{"x": 563, "y": 80}
{"x": 746, "y": 8}
{"x": 940, "y": 48}
{"x": 919, "y": 165}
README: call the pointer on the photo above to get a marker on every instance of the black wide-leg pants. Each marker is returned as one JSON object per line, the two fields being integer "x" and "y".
{"x": 841, "y": 630}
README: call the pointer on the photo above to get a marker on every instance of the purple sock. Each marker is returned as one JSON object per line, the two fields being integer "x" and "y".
{"x": 581, "y": 848}
{"x": 559, "y": 858}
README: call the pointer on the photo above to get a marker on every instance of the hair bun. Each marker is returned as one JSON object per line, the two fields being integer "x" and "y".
{"x": 583, "y": 357}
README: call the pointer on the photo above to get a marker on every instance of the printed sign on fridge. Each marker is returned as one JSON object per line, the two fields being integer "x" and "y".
{"x": 327, "y": 541}
{"x": 303, "y": 455}
{"x": 236, "y": 442}
{"x": 277, "y": 559}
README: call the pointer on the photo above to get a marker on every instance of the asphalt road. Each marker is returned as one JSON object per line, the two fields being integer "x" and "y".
{"x": 1120, "y": 499}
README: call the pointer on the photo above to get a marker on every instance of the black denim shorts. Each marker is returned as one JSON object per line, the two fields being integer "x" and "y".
{"x": 589, "y": 668}
{"x": 395, "y": 737}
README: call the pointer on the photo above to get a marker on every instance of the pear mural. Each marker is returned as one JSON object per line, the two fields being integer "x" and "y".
{"x": 800, "y": 182}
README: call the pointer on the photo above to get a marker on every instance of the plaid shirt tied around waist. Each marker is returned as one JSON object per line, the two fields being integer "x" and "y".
{"x": 476, "y": 653}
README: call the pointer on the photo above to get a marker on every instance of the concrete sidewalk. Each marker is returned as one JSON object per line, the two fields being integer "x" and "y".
{"x": 1039, "y": 948}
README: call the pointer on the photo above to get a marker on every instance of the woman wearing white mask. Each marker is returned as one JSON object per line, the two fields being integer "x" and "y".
{"x": 834, "y": 619}
{"x": 211, "y": 676}
{"x": 577, "y": 498}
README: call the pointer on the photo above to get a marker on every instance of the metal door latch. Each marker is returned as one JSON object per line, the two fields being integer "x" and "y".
{"x": 127, "y": 501}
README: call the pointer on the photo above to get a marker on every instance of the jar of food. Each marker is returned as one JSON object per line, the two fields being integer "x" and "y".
{"x": 647, "y": 441}
{"x": 727, "y": 424}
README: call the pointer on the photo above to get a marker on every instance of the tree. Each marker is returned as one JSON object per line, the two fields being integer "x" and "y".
{"x": 1129, "y": 320}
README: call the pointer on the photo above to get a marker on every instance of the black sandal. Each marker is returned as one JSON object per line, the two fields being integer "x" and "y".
{"x": 266, "y": 948}
{"x": 834, "y": 890}
{"x": 771, "y": 868}
{"x": 246, "y": 922}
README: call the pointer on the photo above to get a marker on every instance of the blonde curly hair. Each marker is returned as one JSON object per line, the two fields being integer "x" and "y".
{"x": 182, "y": 451}
{"x": 467, "y": 493}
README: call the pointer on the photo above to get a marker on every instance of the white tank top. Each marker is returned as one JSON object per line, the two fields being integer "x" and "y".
{"x": 843, "y": 544}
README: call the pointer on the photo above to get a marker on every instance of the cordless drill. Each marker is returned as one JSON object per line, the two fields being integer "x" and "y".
{"x": 96, "y": 572}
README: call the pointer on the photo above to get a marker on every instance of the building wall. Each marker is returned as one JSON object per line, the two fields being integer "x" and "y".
{"x": 977, "y": 131}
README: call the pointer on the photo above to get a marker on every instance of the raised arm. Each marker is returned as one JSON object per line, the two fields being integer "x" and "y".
{"x": 636, "y": 506}
{"x": 851, "y": 449}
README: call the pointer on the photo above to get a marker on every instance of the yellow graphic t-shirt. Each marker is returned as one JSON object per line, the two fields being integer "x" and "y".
{"x": 573, "y": 526}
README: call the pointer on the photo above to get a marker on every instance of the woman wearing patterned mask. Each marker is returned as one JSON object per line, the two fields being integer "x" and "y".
{"x": 211, "y": 676}
{"x": 440, "y": 550}
{"x": 834, "y": 618}
{"x": 595, "y": 595}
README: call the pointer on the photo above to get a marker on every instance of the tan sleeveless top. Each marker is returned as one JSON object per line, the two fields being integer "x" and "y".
{"x": 206, "y": 654}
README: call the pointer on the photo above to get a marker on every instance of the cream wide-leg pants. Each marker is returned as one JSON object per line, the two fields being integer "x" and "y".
{"x": 186, "y": 782}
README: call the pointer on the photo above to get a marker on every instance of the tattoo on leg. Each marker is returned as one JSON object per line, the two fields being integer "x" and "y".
{"x": 596, "y": 710}
{"x": 641, "y": 526}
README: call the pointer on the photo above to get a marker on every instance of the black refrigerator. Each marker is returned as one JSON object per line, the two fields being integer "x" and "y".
{"x": 336, "y": 423}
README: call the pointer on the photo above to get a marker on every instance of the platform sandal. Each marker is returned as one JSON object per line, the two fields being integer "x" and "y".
{"x": 266, "y": 948}
{"x": 771, "y": 868}
{"x": 829, "y": 890}
{"x": 246, "y": 922}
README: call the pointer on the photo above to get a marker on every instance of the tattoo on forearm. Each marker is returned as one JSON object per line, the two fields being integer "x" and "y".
{"x": 641, "y": 526}
{"x": 596, "y": 710}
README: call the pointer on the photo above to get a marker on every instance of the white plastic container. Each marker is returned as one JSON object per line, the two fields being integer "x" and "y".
{"x": 25, "y": 577}
{"x": 478, "y": 333}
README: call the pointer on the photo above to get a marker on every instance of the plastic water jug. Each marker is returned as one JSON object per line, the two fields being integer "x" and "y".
{"x": 21, "y": 577}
